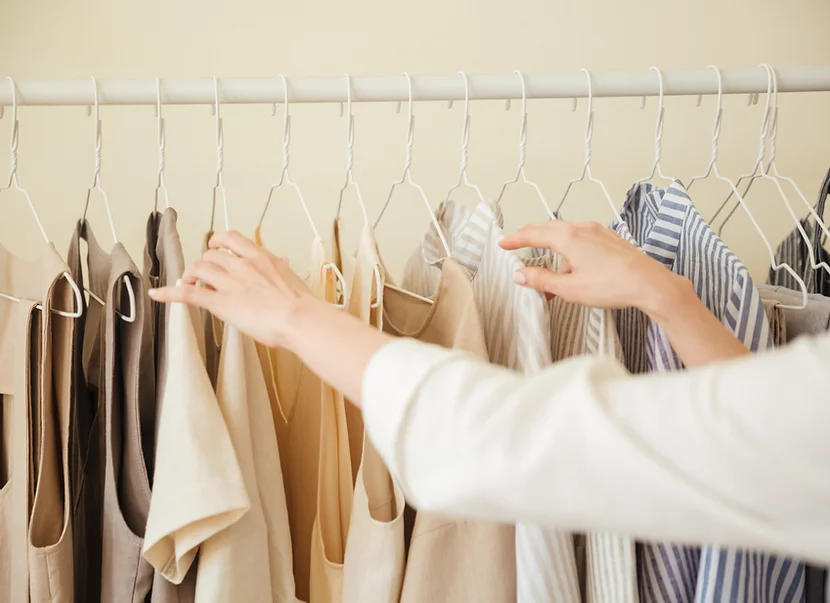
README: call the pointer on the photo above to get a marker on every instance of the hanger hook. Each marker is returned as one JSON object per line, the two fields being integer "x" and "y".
{"x": 765, "y": 123}
{"x": 160, "y": 186}
{"x": 410, "y": 127}
{"x": 658, "y": 128}
{"x": 349, "y": 127}
{"x": 465, "y": 130}
{"x": 286, "y": 124}
{"x": 98, "y": 135}
{"x": 220, "y": 139}
{"x": 523, "y": 124}
{"x": 589, "y": 121}
{"x": 13, "y": 139}
{"x": 718, "y": 114}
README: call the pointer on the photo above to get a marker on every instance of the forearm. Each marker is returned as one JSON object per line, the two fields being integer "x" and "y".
{"x": 698, "y": 456}
{"x": 695, "y": 333}
{"x": 334, "y": 344}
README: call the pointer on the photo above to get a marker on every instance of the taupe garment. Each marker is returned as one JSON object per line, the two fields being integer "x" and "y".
{"x": 449, "y": 559}
{"x": 35, "y": 369}
{"x": 118, "y": 363}
{"x": 373, "y": 567}
{"x": 309, "y": 419}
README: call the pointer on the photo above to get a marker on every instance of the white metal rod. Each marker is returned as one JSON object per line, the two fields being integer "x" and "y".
{"x": 199, "y": 91}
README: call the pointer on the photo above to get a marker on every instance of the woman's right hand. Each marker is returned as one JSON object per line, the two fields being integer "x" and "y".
{"x": 599, "y": 268}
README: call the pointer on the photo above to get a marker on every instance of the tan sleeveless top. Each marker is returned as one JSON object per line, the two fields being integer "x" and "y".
{"x": 309, "y": 420}
{"x": 36, "y": 557}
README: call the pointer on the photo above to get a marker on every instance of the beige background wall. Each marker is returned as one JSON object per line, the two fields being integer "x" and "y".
{"x": 44, "y": 39}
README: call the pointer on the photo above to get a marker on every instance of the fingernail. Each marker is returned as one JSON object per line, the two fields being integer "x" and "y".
{"x": 179, "y": 283}
{"x": 152, "y": 292}
{"x": 519, "y": 278}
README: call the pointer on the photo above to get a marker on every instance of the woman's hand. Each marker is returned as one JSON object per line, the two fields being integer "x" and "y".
{"x": 599, "y": 269}
{"x": 246, "y": 286}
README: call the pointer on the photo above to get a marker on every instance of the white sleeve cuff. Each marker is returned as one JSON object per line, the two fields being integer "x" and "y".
{"x": 391, "y": 383}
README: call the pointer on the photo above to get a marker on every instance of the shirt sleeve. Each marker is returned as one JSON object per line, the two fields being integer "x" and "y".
{"x": 734, "y": 453}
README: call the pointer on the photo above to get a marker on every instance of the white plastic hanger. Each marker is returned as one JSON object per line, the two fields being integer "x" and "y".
{"x": 586, "y": 166}
{"x": 14, "y": 185}
{"x": 773, "y": 136}
{"x": 406, "y": 176}
{"x": 160, "y": 187}
{"x": 350, "y": 157}
{"x": 220, "y": 161}
{"x": 658, "y": 134}
{"x": 712, "y": 169}
{"x": 520, "y": 171}
{"x": 96, "y": 185}
{"x": 465, "y": 146}
{"x": 285, "y": 178}
{"x": 769, "y": 129}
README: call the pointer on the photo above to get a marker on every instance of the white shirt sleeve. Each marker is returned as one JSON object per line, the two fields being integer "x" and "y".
{"x": 734, "y": 453}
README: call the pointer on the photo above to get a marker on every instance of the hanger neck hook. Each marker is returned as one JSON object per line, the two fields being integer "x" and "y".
{"x": 161, "y": 136}
{"x": 718, "y": 115}
{"x": 773, "y": 126}
{"x": 658, "y": 128}
{"x": 349, "y": 128}
{"x": 13, "y": 141}
{"x": 523, "y": 124}
{"x": 765, "y": 122}
{"x": 286, "y": 126}
{"x": 589, "y": 122}
{"x": 410, "y": 127}
{"x": 220, "y": 138}
{"x": 96, "y": 176}
{"x": 465, "y": 131}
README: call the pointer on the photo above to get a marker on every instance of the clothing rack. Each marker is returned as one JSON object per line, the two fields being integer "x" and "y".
{"x": 200, "y": 91}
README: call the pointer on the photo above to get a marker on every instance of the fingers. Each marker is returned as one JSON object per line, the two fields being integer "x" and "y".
{"x": 236, "y": 243}
{"x": 547, "y": 235}
{"x": 541, "y": 279}
{"x": 208, "y": 273}
{"x": 187, "y": 294}
{"x": 223, "y": 260}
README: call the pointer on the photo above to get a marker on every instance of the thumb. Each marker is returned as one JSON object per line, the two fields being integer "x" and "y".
{"x": 540, "y": 279}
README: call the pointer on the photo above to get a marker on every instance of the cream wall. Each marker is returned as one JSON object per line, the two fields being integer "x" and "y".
{"x": 40, "y": 39}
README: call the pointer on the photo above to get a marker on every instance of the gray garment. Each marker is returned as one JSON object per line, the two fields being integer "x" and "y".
{"x": 813, "y": 319}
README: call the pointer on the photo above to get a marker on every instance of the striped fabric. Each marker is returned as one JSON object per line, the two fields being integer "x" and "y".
{"x": 608, "y": 567}
{"x": 517, "y": 333}
{"x": 525, "y": 333}
{"x": 666, "y": 226}
{"x": 793, "y": 251}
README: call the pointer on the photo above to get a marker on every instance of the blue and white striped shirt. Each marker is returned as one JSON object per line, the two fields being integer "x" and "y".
{"x": 665, "y": 224}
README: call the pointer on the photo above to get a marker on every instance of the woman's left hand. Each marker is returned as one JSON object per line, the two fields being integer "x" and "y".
{"x": 246, "y": 286}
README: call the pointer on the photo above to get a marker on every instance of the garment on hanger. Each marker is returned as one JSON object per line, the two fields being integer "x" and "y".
{"x": 373, "y": 565}
{"x": 36, "y": 553}
{"x": 665, "y": 224}
{"x": 251, "y": 559}
{"x": 335, "y": 489}
{"x": 198, "y": 489}
{"x": 795, "y": 252}
{"x": 517, "y": 331}
{"x": 212, "y": 329}
{"x": 118, "y": 366}
{"x": 812, "y": 320}
{"x": 451, "y": 560}
{"x": 306, "y": 413}
{"x": 777, "y": 318}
